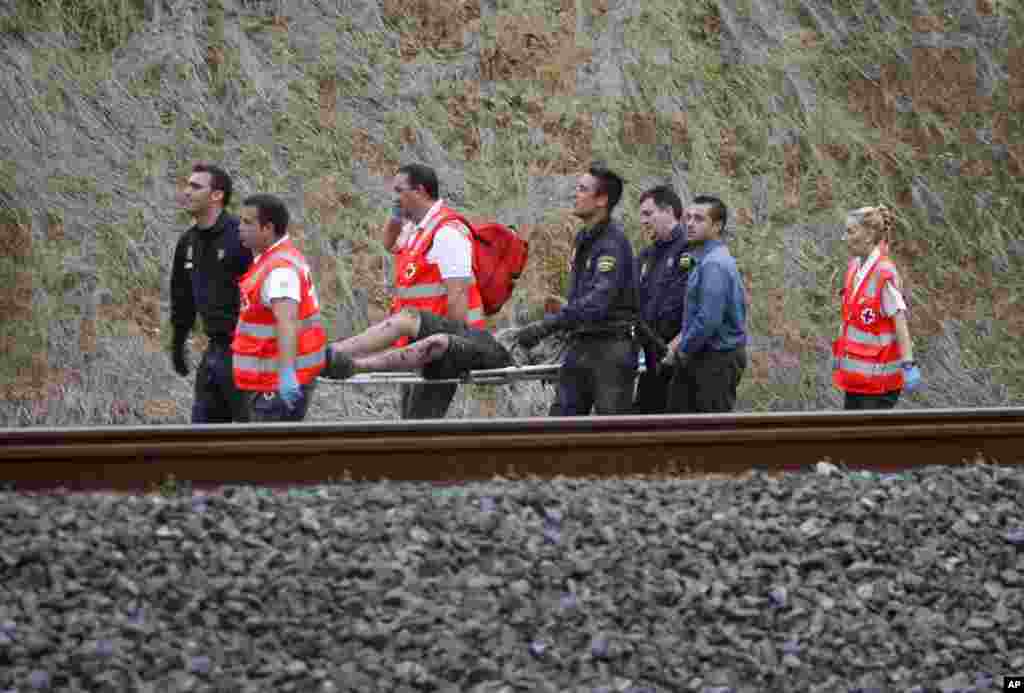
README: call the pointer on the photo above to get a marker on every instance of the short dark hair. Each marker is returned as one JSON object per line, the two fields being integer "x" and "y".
{"x": 269, "y": 210}
{"x": 219, "y": 179}
{"x": 419, "y": 174}
{"x": 719, "y": 212}
{"x": 663, "y": 196}
{"x": 608, "y": 183}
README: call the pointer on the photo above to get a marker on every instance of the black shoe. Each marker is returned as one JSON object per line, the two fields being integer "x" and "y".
{"x": 339, "y": 365}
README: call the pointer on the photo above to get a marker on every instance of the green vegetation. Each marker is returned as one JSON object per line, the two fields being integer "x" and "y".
{"x": 95, "y": 25}
{"x": 874, "y": 132}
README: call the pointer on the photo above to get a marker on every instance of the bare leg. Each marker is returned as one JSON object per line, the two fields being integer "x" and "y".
{"x": 405, "y": 323}
{"x": 408, "y": 358}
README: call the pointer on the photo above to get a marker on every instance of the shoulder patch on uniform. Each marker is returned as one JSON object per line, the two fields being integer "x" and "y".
{"x": 685, "y": 262}
{"x": 605, "y": 263}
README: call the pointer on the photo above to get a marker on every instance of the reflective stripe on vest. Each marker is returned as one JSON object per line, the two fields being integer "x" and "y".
{"x": 855, "y": 334}
{"x": 867, "y": 352}
{"x": 255, "y": 345}
{"x": 422, "y": 291}
{"x": 872, "y": 289}
{"x": 270, "y": 365}
{"x": 869, "y": 368}
{"x": 419, "y": 284}
{"x": 252, "y": 329}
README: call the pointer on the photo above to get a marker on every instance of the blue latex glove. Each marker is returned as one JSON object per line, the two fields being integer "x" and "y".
{"x": 911, "y": 378}
{"x": 288, "y": 387}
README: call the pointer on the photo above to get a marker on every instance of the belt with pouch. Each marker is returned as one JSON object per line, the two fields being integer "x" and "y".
{"x": 611, "y": 332}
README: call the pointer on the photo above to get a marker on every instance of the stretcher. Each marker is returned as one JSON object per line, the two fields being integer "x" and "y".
{"x": 496, "y": 376}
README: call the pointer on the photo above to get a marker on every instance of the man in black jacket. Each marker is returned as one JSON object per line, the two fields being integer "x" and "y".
{"x": 664, "y": 268}
{"x": 209, "y": 259}
{"x": 600, "y": 311}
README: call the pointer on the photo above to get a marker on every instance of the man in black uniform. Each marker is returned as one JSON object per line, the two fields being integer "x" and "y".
{"x": 208, "y": 262}
{"x": 664, "y": 267}
{"x": 601, "y": 309}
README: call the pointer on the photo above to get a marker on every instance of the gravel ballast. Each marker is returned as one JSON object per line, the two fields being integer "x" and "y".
{"x": 821, "y": 581}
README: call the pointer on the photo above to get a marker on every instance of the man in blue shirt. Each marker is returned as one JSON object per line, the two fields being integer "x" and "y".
{"x": 663, "y": 270}
{"x": 709, "y": 355}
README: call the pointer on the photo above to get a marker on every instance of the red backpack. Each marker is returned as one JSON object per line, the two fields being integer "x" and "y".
{"x": 499, "y": 257}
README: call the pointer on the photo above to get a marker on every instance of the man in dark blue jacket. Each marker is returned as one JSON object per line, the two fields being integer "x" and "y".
{"x": 600, "y": 311}
{"x": 209, "y": 259}
{"x": 664, "y": 268}
{"x": 709, "y": 355}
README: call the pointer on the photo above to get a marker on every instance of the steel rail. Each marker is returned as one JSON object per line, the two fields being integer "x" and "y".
{"x": 133, "y": 458}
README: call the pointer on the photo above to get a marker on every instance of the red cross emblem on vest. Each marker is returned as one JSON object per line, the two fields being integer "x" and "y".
{"x": 867, "y": 316}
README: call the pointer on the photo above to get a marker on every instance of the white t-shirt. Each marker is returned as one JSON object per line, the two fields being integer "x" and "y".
{"x": 282, "y": 282}
{"x": 452, "y": 249}
{"x": 892, "y": 299}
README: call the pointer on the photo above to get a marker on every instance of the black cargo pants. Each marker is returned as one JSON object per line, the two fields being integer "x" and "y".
{"x": 707, "y": 383}
{"x": 216, "y": 399}
{"x": 598, "y": 373}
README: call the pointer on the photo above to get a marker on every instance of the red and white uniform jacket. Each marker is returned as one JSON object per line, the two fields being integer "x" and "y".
{"x": 868, "y": 356}
{"x": 419, "y": 283}
{"x": 255, "y": 349}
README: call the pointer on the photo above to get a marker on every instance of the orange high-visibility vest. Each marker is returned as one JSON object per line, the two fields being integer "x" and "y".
{"x": 867, "y": 352}
{"x": 254, "y": 348}
{"x": 418, "y": 282}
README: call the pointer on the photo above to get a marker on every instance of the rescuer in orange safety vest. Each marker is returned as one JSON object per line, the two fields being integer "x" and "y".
{"x": 873, "y": 358}
{"x": 279, "y": 343}
{"x": 433, "y": 251}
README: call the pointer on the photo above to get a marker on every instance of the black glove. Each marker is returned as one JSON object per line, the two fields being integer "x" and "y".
{"x": 672, "y": 362}
{"x": 665, "y": 369}
{"x": 530, "y": 336}
{"x": 179, "y": 353}
{"x": 654, "y": 345}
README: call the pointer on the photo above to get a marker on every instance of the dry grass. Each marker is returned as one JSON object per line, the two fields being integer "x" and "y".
{"x": 433, "y": 24}
{"x": 945, "y": 81}
{"x": 373, "y": 154}
{"x": 864, "y": 150}
{"x": 463, "y": 107}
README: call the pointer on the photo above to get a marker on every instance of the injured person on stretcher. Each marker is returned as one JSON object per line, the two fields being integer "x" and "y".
{"x": 439, "y": 346}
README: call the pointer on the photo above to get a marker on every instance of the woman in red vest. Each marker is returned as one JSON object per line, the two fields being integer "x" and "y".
{"x": 873, "y": 359}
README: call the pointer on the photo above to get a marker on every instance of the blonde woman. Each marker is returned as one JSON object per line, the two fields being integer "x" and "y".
{"x": 874, "y": 355}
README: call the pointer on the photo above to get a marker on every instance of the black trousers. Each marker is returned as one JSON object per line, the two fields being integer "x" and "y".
{"x": 469, "y": 349}
{"x": 427, "y": 401}
{"x": 708, "y": 382}
{"x": 268, "y": 407}
{"x": 598, "y": 374}
{"x": 854, "y": 401}
{"x": 652, "y": 390}
{"x": 216, "y": 399}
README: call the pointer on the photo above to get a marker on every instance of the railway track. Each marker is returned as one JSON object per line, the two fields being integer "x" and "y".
{"x": 134, "y": 458}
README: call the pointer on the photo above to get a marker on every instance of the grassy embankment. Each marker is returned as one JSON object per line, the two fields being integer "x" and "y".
{"x": 741, "y": 131}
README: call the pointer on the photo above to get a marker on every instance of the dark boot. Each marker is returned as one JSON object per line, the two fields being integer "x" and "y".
{"x": 339, "y": 365}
